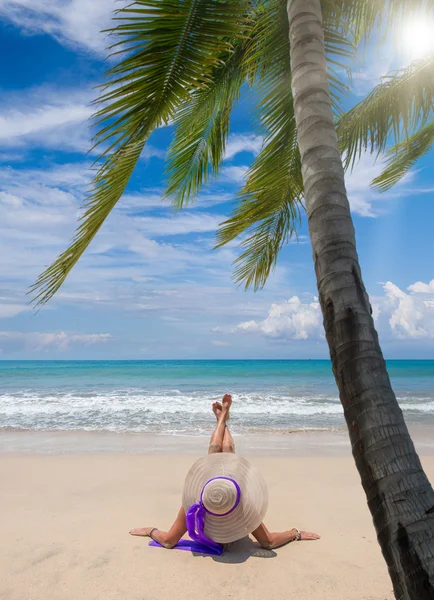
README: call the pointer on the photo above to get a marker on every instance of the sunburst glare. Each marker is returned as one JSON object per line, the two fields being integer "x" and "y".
{"x": 418, "y": 38}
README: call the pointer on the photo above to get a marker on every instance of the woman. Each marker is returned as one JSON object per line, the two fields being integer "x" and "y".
{"x": 224, "y": 499}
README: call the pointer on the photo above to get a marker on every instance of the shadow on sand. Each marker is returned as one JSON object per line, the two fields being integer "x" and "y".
{"x": 239, "y": 552}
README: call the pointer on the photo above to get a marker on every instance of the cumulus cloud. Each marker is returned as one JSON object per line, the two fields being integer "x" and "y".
{"x": 397, "y": 315}
{"x": 410, "y": 316}
{"x": 291, "y": 320}
{"x": 17, "y": 341}
{"x": 75, "y": 23}
{"x": 233, "y": 174}
{"x": 422, "y": 288}
{"x": 242, "y": 143}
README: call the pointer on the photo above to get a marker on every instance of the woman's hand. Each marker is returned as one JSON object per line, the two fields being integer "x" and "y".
{"x": 142, "y": 531}
{"x": 308, "y": 535}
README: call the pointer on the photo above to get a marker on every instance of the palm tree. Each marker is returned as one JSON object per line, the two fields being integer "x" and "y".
{"x": 186, "y": 63}
{"x": 399, "y": 494}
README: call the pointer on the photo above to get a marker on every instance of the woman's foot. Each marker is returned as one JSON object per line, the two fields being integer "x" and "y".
{"x": 222, "y": 409}
{"x": 217, "y": 410}
{"x": 226, "y": 406}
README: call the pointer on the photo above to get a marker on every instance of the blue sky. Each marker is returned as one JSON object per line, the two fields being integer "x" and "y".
{"x": 151, "y": 286}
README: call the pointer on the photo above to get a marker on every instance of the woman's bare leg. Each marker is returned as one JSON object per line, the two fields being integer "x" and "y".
{"x": 216, "y": 442}
{"x": 221, "y": 412}
{"x": 227, "y": 444}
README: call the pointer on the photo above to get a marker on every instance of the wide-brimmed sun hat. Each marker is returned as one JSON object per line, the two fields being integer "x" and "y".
{"x": 225, "y": 498}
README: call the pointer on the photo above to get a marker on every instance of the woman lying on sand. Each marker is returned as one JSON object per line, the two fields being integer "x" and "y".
{"x": 224, "y": 499}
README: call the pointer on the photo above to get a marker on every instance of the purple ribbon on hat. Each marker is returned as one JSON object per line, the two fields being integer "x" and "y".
{"x": 195, "y": 520}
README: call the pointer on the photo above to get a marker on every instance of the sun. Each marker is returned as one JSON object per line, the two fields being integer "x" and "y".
{"x": 418, "y": 38}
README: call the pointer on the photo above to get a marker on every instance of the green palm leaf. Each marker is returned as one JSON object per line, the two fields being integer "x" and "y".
{"x": 269, "y": 205}
{"x": 399, "y": 104}
{"x": 270, "y": 213}
{"x": 202, "y": 129}
{"x": 363, "y": 17}
{"x": 403, "y": 156}
{"x": 186, "y": 61}
{"x": 171, "y": 49}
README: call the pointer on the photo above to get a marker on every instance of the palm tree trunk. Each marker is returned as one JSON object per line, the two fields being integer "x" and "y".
{"x": 399, "y": 494}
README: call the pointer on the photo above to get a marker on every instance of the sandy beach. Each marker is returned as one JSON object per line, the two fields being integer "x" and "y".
{"x": 65, "y": 521}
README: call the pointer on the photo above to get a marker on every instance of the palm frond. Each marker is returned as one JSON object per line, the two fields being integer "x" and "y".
{"x": 340, "y": 46}
{"x": 201, "y": 131}
{"x": 270, "y": 215}
{"x": 403, "y": 156}
{"x": 365, "y": 17}
{"x": 268, "y": 205}
{"x": 170, "y": 49}
{"x": 395, "y": 107}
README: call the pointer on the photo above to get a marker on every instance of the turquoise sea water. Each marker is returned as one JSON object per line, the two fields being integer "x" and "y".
{"x": 176, "y": 396}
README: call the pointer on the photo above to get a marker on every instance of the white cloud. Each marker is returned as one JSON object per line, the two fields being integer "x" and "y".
{"x": 52, "y": 118}
{"x": 139, "y": 201}
{"x": 291, "y": 320}
{"x": 72, "y": 22}
{"x": 397, "y": 315}
{"x": 422, "y": 288}
{"x": 8, "y": 309}
{"x": 68, "y": 176}
{"x": 233, "y": 174}
{"x": 38, "y": 122}
{"x": 410, "y": 316}
{"x": 16, "y": 341}
{"x": 38, "y": 212}
{"x": 242, "y": 143}
{"x": 150, "y": 151}
{"x": 365, "y": 201}
{"x": 136, "y": 202}
{"x": 46, "y": 117}
{"x": 365, "y": 78}
{"x": 362, "y": 205}
{"x": 138, "y": 268}
{"x": 179, "y": 224}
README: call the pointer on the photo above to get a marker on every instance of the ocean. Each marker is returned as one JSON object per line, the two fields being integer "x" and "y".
{"x": 174, "y": 397}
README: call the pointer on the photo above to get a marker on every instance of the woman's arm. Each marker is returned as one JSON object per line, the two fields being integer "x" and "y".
{"x": 168, "y": 539}
{"x": 269, "y": 540}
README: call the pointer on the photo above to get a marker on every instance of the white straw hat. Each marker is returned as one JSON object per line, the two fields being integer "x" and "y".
{"x": 219, "y": 481}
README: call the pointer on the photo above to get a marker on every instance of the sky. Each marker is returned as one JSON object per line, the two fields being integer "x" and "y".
{"x": 151, "y": 286}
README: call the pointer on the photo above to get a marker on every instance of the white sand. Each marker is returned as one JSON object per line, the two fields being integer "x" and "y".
{"x": 64, "y": 523}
